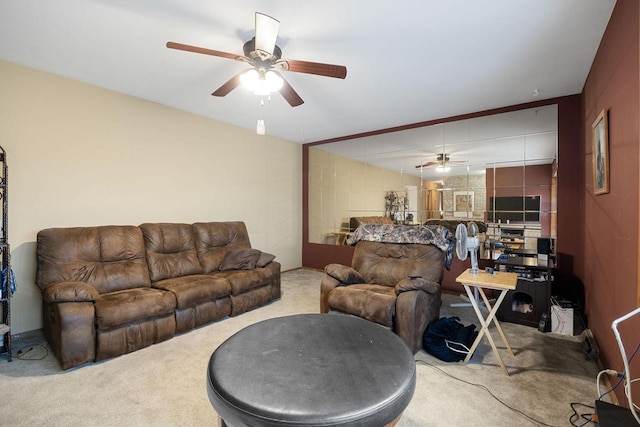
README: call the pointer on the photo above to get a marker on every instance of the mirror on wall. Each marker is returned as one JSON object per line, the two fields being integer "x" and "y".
{"x": 498, "y": 170}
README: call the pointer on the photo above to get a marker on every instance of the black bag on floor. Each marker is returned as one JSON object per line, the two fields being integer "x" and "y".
{"x": 448, "y": 339}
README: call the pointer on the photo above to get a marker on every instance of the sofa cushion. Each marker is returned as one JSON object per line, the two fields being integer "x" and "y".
{"x": 109, "y": 258}
{"x": 214, "y": 239}
{"x": 117, "y": 308}
{"x": 171, "y": 250}
{"x": 376, "y": 303}
{"x": 415, "y": 284}
{"x": 195, "y": 289}
{"x": 264, "y": 259}
{"x": 244, "y": 280}
{"x": 240, "y": 259}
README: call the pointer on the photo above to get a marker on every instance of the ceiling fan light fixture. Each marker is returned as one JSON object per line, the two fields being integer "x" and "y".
{"x": 261, "y": 82}
{"x": 443, "y": 169}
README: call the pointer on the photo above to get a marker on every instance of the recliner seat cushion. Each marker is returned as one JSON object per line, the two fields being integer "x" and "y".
{"x": 117, "y": 308}
{"x": 245, "y": 280}
{"x": 196, "y": 289}
{"x": 376, "y": 303}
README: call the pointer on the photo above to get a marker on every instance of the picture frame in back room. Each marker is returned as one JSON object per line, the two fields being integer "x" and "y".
{"x": 600, "y": 154}
{"x": 463, "y": 204}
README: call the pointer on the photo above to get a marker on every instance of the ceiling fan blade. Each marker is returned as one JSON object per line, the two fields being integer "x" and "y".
{"x": 266, "y": 34}
{"x": 289, "y": 93}
{"x": 428, "y": 164}
{"x": 327, "y": 70}
{"x": 229, "y": 85}
{"x": 196, "y": 49}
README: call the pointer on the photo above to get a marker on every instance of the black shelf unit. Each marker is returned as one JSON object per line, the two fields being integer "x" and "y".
{"x": 532, "y": 296}
{"x": 5, "y": 260}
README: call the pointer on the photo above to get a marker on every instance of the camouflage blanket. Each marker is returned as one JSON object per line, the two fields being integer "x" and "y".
{"x": 425, "y": 235}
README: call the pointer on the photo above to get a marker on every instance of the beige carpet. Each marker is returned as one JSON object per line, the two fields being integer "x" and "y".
{"x": 164, "y": 385}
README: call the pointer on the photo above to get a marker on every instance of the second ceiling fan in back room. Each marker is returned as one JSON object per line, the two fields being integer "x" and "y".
{"x": 265, "y": 57}
{"x": 442, "y": 163}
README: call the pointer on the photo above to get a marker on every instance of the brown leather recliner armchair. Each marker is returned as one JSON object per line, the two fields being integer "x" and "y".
{"x": 394, "y": 284}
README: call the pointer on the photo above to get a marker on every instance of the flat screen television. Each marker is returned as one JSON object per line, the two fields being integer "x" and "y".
{"x": 514, "y": 209}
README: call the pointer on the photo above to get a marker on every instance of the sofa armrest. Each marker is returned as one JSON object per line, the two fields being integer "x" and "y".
{"x": 70, "y": 292}
{"x": 343, "y": 274}
{"x": 417, "y": 283}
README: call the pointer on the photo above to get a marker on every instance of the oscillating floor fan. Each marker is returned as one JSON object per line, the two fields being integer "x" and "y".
{"x": 467, "y": 242}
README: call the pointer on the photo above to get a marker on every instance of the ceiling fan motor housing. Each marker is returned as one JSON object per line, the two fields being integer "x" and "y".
{"x": 249, "y": 49}
{"x": 443, "y": 157}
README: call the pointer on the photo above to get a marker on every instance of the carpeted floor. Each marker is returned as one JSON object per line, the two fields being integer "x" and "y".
{"x": 164, "y": 385}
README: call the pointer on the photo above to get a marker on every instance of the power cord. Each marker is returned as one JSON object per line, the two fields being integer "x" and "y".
{"x": 33, "y": 355}
{"x": 588, "y": 417}
{"x": 612, "y": 373}
{"x": 488, "y": 391}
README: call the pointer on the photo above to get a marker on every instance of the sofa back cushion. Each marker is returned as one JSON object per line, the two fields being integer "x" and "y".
{"x": 109, "y": 258}
{"x": 388, "y": 263}
{"x": 215, "y": 239}
{"x": 171, "y": 250}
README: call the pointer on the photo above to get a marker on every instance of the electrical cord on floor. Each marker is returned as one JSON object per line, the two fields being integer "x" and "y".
{"x": 482, "y": 386}
{"x": 588, "y": 417}
{"x": 32, "y": 353}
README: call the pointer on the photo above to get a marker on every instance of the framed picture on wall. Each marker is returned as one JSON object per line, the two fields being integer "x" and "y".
{"x": 601, "y": 154}
{"x": 463, "y": 204}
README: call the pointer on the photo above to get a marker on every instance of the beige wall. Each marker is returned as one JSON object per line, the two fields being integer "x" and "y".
{"x": 81, "y": 155}
{"x": 340, "y": 188}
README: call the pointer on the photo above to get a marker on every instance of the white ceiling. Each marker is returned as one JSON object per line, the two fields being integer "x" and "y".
{"x": 407, "y": 61}
{"x": 518, "y": 138}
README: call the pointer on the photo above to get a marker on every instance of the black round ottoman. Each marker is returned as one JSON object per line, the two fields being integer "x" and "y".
{"x": 311, "y": 370}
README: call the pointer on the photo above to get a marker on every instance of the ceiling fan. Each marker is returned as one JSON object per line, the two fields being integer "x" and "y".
{"x": 262, "y": 53}
{"x": 442, "y": 160}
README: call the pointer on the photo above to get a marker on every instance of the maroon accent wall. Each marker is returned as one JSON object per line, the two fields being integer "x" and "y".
{"x": 610, "y": 271}
{"x": 570, "y": 240}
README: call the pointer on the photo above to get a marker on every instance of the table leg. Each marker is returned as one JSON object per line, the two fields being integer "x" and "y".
{"x": 495, "y": 320}
{"x": 485, "y": 324}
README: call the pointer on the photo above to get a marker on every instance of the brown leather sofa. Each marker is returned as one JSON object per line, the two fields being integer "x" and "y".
{"x": 111, "y": 290}
{"x": 394, "y": 284}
